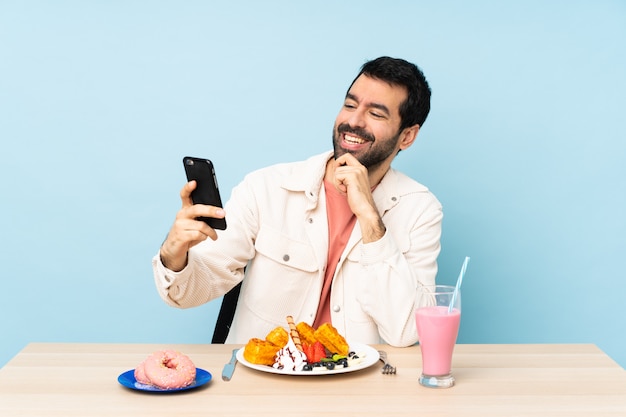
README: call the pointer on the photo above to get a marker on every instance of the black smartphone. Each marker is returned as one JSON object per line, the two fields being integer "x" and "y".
{"x": 207, "y": 191}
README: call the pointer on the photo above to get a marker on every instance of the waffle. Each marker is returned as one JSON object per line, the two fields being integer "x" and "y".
{"x": 278, "y": 336}
{"x": 260, "y": 352}
{"x": 331, "y": 339}
{"x": 307, "y": 333}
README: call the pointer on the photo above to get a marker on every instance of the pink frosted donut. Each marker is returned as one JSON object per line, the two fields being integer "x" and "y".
{"x": 140, "y": 374}
{"x": 169, "y": 369}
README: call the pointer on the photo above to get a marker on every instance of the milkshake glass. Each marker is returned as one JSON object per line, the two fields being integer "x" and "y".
{"x": 437, "y": 328}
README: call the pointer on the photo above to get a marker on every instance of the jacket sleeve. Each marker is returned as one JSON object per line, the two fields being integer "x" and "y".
{"x": 395, "y": 265}
{"x": 214, "y": 267}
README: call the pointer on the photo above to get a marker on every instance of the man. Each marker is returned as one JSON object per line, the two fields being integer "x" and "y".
{"x": 341, "y": 237}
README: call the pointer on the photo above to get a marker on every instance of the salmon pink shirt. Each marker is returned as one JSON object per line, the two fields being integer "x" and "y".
{"x": 341, "y": 221}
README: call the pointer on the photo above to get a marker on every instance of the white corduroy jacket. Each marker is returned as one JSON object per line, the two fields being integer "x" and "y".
{"x": 278, "y": 230}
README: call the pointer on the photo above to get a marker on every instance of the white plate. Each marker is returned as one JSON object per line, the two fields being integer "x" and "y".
{"x": 369, "y": 355}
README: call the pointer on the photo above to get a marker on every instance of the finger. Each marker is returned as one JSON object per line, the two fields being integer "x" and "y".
{"x": 347, "y": 159}
{"x": 185, "y": 193}
{"x": 194, "y": 211}
{"x": 339, "y": 177}
{"x": 190, "y": 232}
{"x": 201, "y": 232}
{"x": 339, "y": 183}
{"x": 345, "y": 175}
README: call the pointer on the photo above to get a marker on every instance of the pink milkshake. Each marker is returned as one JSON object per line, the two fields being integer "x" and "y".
{"x": 437, "y": 330}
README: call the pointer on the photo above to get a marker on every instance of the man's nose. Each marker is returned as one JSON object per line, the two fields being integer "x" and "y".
{"x": 357, "y": 119}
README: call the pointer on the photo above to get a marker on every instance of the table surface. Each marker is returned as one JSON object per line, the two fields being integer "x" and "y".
{"x": 80, "y": 379}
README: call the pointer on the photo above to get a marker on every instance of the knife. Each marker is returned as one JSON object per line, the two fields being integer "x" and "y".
{"x": 229, "y": 368}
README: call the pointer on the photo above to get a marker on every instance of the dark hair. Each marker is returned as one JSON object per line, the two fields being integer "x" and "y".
{"x": 395, "y": 71}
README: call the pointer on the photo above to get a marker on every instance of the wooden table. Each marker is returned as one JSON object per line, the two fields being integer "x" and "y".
{"x": 49, "y": 379}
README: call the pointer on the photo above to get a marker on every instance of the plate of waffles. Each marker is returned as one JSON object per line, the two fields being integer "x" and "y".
{"x": 361, "y": 356}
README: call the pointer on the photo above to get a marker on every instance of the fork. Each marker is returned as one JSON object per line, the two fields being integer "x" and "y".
{"x": 388, "y": 369}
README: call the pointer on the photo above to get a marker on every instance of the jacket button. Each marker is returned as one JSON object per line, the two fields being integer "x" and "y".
{"x": 310, "y": 220}
{"x": 285, "y": 258}
{"x": 336, "y": 308}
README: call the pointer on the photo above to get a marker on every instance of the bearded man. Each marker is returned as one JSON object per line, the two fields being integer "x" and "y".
{"x": 341, "y": 237}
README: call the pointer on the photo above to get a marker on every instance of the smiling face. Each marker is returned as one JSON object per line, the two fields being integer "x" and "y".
{"x": 368, "y": 125}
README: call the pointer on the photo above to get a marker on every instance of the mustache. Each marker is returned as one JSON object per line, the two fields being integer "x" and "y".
{"x": 356, "y": 131}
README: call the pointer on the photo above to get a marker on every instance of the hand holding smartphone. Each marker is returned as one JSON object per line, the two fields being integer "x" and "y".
{"x": 207, "y": 191}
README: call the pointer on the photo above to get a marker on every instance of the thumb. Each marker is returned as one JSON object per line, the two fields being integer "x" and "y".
{"x": 185, "y": 193}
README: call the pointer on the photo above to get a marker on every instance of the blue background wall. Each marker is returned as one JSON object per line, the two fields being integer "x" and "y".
{"x": 100, "y": 100}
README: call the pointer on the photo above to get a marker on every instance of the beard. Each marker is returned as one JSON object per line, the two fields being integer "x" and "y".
{"x": 379, "y": 149}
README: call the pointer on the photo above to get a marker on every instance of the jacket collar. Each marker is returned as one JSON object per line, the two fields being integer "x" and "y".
{"x": 308, "y": 176}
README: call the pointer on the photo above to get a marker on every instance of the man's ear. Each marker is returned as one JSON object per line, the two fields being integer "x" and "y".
{"x": 408, "y": 135}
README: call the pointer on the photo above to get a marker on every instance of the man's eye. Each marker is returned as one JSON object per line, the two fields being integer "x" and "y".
{"x": 377, "y": 115}
{"x": 349, "y": 106}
